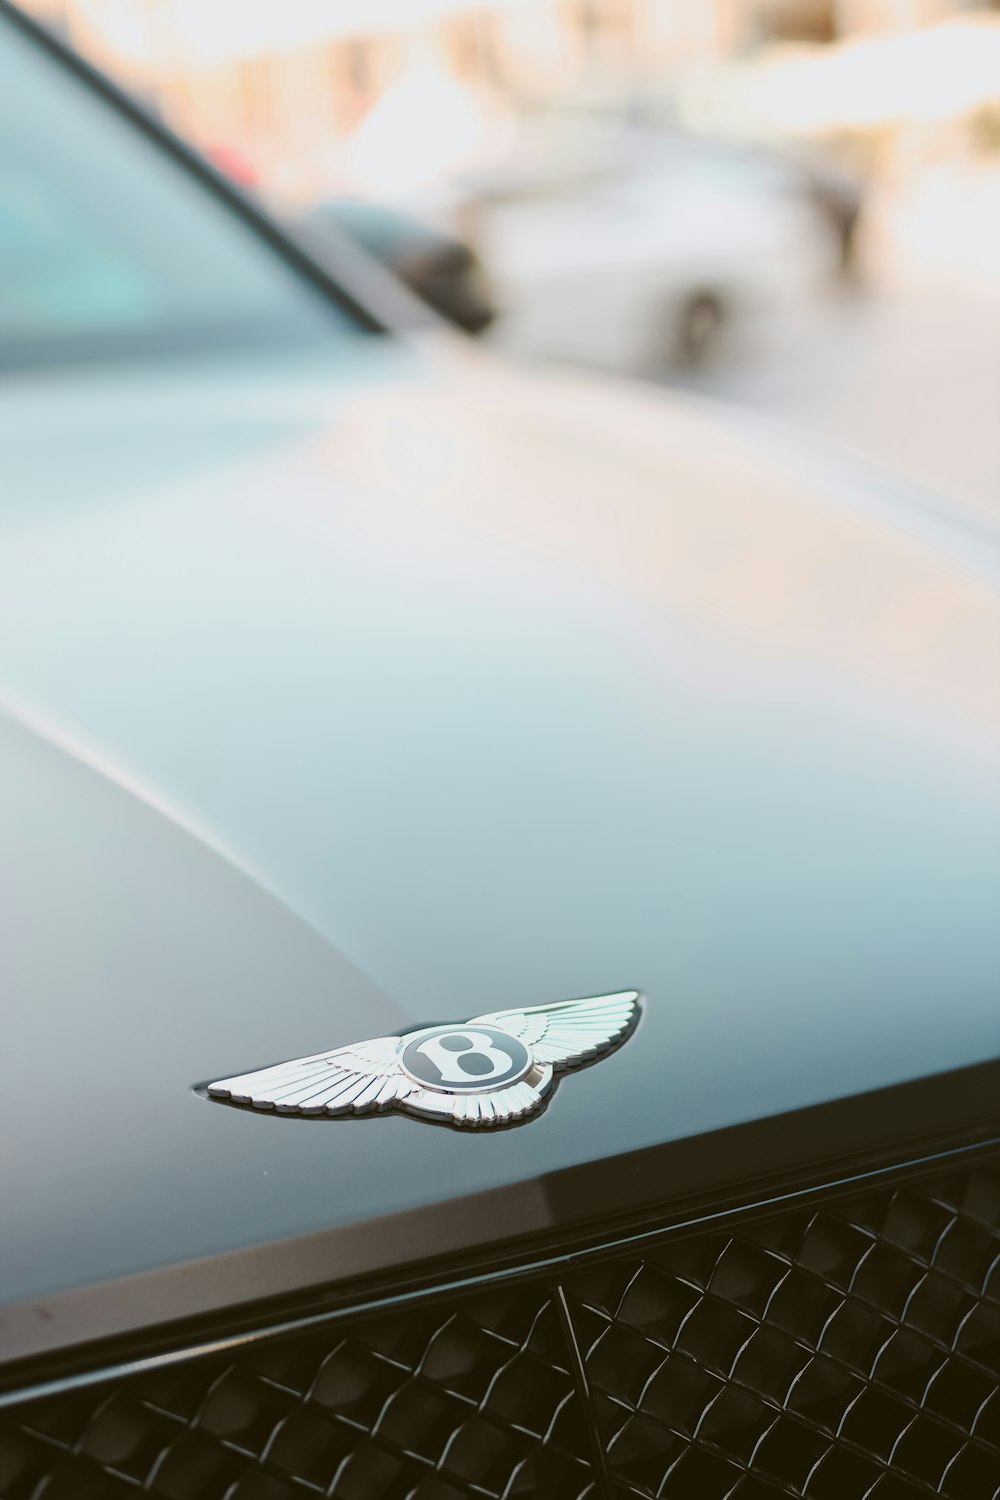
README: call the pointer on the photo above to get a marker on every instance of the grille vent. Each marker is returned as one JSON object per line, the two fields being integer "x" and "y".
{"x": 846, "y": 1351}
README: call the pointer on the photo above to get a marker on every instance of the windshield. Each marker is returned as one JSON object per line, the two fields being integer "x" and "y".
{"x": 108, "y": 247}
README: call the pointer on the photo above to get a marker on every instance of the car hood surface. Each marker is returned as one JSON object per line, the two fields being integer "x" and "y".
{"x": 346, "y": 698}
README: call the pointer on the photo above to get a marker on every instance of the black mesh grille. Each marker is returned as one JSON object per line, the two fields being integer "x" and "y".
{"x": 849, "y": 1351}
{"x": 472, "y": 1402}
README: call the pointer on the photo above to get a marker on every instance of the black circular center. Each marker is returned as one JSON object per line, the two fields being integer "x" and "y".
{"x": 464, "y": 1059}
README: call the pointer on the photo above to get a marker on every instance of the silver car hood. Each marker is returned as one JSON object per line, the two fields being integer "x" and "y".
{"x": 344, "y": 697}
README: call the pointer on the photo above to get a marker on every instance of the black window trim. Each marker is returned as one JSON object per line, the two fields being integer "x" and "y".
{"x": 338, "y": 273}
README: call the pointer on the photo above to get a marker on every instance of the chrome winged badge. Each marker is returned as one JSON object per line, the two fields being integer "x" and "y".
{"x": 491, "y": 1070}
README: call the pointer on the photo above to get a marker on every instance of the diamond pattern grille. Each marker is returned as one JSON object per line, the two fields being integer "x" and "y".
{"x": 849, "y": 1351}
{"x": 431, "y": 1404}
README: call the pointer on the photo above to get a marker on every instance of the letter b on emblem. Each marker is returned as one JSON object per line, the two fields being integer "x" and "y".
{"x": 465, "y": 1057}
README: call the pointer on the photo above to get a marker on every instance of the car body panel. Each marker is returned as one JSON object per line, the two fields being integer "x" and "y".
{"x": 403, "y": 687}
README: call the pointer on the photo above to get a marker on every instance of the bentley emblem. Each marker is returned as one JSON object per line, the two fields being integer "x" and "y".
{"x": 491, "y": 1070}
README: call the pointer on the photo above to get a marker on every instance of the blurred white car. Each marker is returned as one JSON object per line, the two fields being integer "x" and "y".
{"x": 634, "y": 250}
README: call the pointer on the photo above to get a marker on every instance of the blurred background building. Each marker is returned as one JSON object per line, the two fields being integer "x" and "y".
{"x": 789, "y": 204}
{"x": 286, "y": 87}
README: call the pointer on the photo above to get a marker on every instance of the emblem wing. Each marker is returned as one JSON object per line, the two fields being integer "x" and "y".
{"x": 365, "y": 1076}
{"x": 571, "y": 1031}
